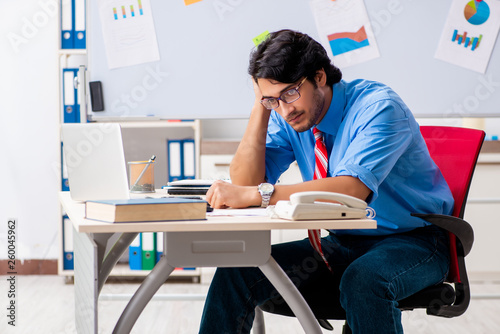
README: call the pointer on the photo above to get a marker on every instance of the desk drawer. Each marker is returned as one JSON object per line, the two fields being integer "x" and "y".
{"x": 218, "y": 249}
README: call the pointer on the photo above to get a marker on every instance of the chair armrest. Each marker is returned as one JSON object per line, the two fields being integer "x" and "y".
{"x": 459, "y": 227}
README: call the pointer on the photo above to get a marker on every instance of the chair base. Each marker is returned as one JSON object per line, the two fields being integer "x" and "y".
{"x": 326, "y": 306}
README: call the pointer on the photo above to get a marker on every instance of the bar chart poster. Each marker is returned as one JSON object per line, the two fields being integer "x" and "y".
{"x": 470, "y": 33}
{"x": 345, "y": 31}
{"x": 128, "y": 32}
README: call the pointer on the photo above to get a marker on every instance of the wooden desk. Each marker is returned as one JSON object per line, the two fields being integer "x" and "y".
{"x": 214, "y": 242}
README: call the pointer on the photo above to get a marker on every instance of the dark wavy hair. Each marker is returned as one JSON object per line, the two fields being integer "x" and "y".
{"x": 287, "y": 56}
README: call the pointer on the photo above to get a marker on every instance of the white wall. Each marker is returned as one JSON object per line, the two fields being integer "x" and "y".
{"x": 29, "y": 140}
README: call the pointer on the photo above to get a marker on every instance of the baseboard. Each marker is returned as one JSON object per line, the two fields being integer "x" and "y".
{"x": 29, "y": 267}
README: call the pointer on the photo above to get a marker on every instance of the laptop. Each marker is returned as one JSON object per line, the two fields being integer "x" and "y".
{"x": 95, "y": 161}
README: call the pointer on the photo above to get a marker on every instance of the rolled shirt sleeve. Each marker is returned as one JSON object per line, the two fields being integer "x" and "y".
{"x": 374, "y": 144}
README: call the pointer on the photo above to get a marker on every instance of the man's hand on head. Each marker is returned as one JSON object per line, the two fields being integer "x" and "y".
{"x": 258, "y": 93}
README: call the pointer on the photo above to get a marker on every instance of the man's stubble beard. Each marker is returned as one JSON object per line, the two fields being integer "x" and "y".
{"x": 316, "y": 112}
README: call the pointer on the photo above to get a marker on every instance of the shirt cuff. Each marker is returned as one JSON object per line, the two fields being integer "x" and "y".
{"x": 364, "y": 175}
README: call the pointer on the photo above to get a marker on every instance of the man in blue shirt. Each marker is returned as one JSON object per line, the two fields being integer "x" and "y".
{"x": 375, "y": 152}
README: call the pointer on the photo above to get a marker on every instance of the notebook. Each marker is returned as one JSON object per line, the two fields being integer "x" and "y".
{"x": 95, "y": 161}
{"x": 188, "y": 187}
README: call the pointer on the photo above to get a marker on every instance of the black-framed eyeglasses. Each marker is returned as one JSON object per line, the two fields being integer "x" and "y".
{"x": 289, "y": 96}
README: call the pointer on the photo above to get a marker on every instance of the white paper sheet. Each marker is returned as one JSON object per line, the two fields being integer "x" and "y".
{"x": 470, "y": 33}
{"x": 345, "y": 31}
{"x": 239, "y": 212}
{"x": 128, "y": 32}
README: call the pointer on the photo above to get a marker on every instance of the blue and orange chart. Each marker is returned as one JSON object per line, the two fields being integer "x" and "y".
{"x": 343, "y": 42}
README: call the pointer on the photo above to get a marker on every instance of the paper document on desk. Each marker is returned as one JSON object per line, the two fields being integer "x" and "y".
{"x": 260, "y": 212}
{"x": 191, "y": 183}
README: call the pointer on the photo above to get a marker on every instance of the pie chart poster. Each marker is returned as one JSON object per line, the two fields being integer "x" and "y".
{"x": 470, "y": 33}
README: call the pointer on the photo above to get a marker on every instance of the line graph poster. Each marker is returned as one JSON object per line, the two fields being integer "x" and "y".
{"x": 345, "y": 31}
{"x": 128, "y": 32}
{"x": 470, "y": 32}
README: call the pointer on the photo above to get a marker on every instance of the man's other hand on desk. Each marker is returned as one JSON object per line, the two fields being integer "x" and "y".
{"x": 223, "y": 194}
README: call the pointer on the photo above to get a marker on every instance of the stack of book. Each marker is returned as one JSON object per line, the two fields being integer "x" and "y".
{"x": 146, "y": 209}
{"x": 188, "y": 187}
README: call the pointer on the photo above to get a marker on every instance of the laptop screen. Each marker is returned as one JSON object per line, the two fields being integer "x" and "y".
{"x": 95, "y": 161}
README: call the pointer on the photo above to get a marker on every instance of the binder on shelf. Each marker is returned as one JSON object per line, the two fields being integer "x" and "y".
{"x": 188, "y": 160}
{"x": 80, "y": 93}
{"x": 148, "y": 244}
{"x": 68, "y": 263}
{"x": 71, "y": 111}
{"x": 135, "y": 254}
{"x": 73, "y": 30}
{"x": 64, "y": 172}
{"x": 174, "y": 148}
{"x": 67, "y": 30}
{"x": 159, "y": 245}
{"x": 181, "y": 159}
{"x": 79, "y": 26}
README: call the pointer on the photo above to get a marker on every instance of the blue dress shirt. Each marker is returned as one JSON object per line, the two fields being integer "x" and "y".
{"x": 370, "y": 134}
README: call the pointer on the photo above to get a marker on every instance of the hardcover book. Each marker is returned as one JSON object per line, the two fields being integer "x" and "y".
{"x": 146, "y": 209}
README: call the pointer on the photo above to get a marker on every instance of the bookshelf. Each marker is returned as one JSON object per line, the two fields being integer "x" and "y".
{"x": 132, "y": 129}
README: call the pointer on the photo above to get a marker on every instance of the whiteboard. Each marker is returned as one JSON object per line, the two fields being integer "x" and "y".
{"x": 205, "y": 47}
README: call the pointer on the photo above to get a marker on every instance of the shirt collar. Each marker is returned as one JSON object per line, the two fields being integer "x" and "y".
{"x": 333, "y": 117}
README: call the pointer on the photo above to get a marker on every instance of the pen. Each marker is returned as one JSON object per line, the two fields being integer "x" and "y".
{"x": 144, "y": 170}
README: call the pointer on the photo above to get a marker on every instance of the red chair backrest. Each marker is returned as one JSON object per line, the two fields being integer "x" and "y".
{"x": 455, "y": 151}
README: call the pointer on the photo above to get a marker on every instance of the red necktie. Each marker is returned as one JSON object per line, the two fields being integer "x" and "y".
{"x": 320, "y": 169}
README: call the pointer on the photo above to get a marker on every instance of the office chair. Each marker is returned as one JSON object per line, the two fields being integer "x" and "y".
{"x": 455, "y": 150}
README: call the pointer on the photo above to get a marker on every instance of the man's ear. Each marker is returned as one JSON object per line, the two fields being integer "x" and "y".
{"x": 320, "y": 77}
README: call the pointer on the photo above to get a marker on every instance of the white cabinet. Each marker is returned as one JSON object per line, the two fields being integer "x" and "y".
{"x": 482, "y": 213}
{"x": 216, "y": 155}
{"x": 215, "y": 166}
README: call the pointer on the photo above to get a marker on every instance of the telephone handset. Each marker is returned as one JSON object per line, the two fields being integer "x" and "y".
{"x": 307, "y": 206}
